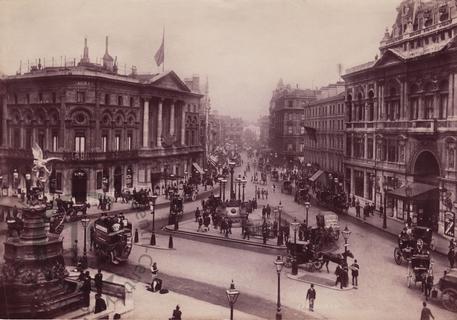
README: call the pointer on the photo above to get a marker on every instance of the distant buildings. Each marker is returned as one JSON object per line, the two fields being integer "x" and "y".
{"x": 112, "y": 131}
{"x": 401, "y": 114}
{"x": 264, "y": 126}
{"x": 287, "y": 121}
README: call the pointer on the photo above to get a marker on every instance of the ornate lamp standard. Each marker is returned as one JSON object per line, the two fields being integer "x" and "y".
{"x": 279, "y": 264}
{"x": 153, "y": 212}
{"x": 28, "y": 179}
{"x": 307, "y": 206}
{"x": 346, "y": 234}
{"x": 280, "y": 239}
{"x": 224, "y": 182}
{"x": 244, "y": 181}
{"x": 232, "y": 166}
{"x": 85, "y": 222}
{"x": 295, "y": 226}
{"x": 384, "y": 216}
{"x": 232, "y": 296}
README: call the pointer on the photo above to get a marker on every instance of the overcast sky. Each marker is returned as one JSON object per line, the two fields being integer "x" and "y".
{"x": 244, "y": 46}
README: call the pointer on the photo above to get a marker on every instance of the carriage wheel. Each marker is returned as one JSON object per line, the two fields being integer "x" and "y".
{"x": 398, "y": 256}
{"x": 449, "y": 299}
{"x": 318, "y": 264}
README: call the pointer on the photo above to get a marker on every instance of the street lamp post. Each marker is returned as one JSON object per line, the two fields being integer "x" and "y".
{"x": 244, "y": 181}
{"x": 85, "y": 222}
{"x": 346, "y": 233}
{"x": 280, "y": 238}
{"x": 224, "y": 182}
{"x": 307, "y": 206}
{"x": 220, "y": 188}
{"x": 238, "y": 182}
{"x": 232, "y": 167}
{"x": 232, "y": 296}
{"x": 153, "y": 234}
{"x": 279, "y": 264}
{"x": 384, "y": 215}
{"x": 28, "y": 178}
{"x": 295, "y": 226}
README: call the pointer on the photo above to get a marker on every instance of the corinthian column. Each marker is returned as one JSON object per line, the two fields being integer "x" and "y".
{"x": 4, "y": 117}
{"x": 159, "y": 124}
{"x": 183, "y": 124}
{"x": 172, "y": 118}
{"x": 146, "y": 124}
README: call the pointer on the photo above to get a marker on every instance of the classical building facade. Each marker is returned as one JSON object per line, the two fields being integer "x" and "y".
{"x": 325, "y": 115}
{"x": 401, "y": 118}
{"x": 287, "y": 121}
{"x": 112, "y": 131}
{"x": 264, "y": 127}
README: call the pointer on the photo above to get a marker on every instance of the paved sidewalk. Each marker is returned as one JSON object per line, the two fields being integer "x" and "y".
{"x": 324, "y": 280}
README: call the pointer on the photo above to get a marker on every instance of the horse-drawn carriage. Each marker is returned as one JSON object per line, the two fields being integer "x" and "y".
{"x": 419, "y": 267}
{"x": 448, "y": 287}
{"x": 304, "y": 253}
{"x": 287, "y": 187}
{"x": 274, "y": 175}
{"x": 190, "y": 192}
{"x": 112, "y": 239}
{"x": 141, "y": 200}
{"x": 416, "y": 240}
{"x": 71, "y": 211}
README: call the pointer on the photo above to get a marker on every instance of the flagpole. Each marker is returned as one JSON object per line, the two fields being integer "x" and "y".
{"x": 163, "y": 42}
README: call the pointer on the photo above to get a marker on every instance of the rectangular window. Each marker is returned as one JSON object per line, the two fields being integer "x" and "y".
{"x": 117, "y": 142}
{"x": 358, "y": 183}
{"x": 99, "y": 180}
{"x": 54, "y": 97}
{"x": 131, "y": 101}
{"x": 443, "y": 106}
{"x": 289, "y": 130}
{"x": 104, "y": 143}
{"x": 59, "y": 181}
{"x": 129, "y": 142}
{"x": 428, "y": 107}
{"x": 27, "y": 98}
{"x": 370, "y": 148}
{"x": 107, "y": 99}
{"x": 80, "y": 143}
{"x": 80, "y": 97}
{"x": 348, "y": 146}
{"x": 40, "y": 97}
{"x": 413, "y": 109}
{"x": 392, "y": 151}
{"x": 17, "y": 138}
{"x": 54, "y": 142}
{"x": 28, "y": 138}
{"x": 119, "y": 100}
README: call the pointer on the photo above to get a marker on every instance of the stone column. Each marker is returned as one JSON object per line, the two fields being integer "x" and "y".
{"x": 453, "y": 95}
{"x": 352, "y": 191}
{"x": 159, "y": 124}
{"x": 183, "y": 124}
{"x": 62, "y": 117}
{"x": 420, "y": 103}
{"x": 146, "y": 123}
{"x": 365, "y": 184}
{"x": 172, "y": 118}
{"x": 4, "y": 122}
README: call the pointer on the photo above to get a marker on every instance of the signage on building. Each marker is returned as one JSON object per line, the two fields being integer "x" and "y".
{"x": 449, "y": 223}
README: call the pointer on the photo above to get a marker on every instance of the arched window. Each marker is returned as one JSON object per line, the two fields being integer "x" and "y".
{"x": 370, "y": 106}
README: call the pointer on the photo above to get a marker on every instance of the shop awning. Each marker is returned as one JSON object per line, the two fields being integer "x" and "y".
{"x": 415, "y": 189}
{"x": 316, "y": 175}
{"x": 199, "y": 169}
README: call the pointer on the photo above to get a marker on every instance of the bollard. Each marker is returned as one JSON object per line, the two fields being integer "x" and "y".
{"x": 136, "y": 236}
{"x": 170, "y": 242}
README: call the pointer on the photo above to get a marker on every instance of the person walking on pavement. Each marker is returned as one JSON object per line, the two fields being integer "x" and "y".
{"x": 357, "y": 208}
{"x": 176, "y": 314}
{"x": 98, "y": 279}
{"x": 197, "y": 214}
{"x": 426, "y": 313}
{"x": 451, "y": 254}
{"x": 311, "y": 296}
{"x": 355, "y": 273}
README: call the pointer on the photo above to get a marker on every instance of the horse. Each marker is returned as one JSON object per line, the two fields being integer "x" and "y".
{"x": 338, "y": 258}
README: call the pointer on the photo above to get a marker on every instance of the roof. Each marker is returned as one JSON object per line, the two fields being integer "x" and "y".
{"x": 416, "y": 189}
{"x": 339, "y": 96}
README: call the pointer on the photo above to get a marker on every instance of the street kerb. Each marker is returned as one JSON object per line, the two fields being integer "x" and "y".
{"x": 144, "y": 242}
{"x": 318, "y": 281}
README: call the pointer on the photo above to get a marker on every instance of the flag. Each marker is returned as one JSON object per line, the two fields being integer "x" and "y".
{"x": 311, "y": 132}
{"x": 160, "y": 54}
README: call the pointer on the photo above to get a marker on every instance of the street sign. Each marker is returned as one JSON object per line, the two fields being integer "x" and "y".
{"x": 449, "y": 223}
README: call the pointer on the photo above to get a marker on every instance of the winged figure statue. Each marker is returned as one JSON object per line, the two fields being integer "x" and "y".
{"x": 39, "y": 164}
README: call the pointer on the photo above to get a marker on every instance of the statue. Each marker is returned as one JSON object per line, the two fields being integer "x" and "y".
{"x": 39, "y": 164}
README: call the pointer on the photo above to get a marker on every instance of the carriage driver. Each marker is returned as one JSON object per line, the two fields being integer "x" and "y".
{"x": 404, "y": 238}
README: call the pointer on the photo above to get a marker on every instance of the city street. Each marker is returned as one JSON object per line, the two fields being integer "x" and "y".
{"x": 254, "y": 273}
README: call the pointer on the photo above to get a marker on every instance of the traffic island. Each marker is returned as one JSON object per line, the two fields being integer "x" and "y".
{"x": 163, "y": 244}
{"x": 325, "y": 280}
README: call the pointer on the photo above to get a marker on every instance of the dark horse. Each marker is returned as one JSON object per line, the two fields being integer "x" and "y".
{"x": 338, "y": 258}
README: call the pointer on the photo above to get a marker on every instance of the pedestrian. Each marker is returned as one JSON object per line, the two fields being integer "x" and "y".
{"x": 154, "y": 274}
{"x": 428, "y": 285}
{"x": 274, "y": 188}
{"x": 311, "y": 296}
{"x": 268, "y": 211}
{"x": 426, "y": 313}
{"x": 355, "y": 273}
{"x": 98, "y": 279}
{"x": 197, "y": 214}
{"x": 176, "y": 314}
{"x": 85, "y": 288}
{"x": 74, "y": 250}
{"x": 266, "y": 194}
{"x": 451, "y": 257}
{"x": 357, "y": 208}
{"x": 100, "y": 304}
{"x": 229, "y": 225}
{"x": 338, "y": 273}
{"x": 92, "y": 237}
{"x": 200, "y": 223}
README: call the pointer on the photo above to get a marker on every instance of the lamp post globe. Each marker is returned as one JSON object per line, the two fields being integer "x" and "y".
{"x": 280, "y": 235}
{"x": 153, "y": 235}
{"x": 346, "y": 234}
{"x": 307, "y": 206}
{"x": 232, "y": 295}
{"x": 85, "y": 222}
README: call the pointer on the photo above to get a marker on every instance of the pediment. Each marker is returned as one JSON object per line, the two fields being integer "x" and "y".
{"x": 388, "y": 58}
{"x": 170, "y": 81}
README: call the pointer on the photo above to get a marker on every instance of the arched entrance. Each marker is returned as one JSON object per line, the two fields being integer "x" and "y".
{"x": 117, "y": 181}
{"x": 79, "y": 185}
{"x": 426, "y": 205}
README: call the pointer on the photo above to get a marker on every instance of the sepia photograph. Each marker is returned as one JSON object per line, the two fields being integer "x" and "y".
{"x": 228, "y": 159}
